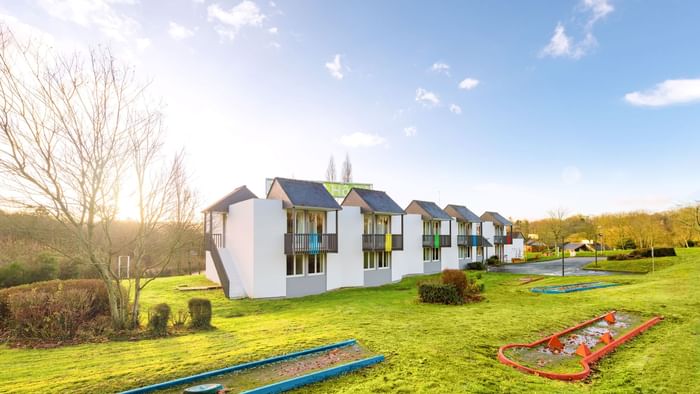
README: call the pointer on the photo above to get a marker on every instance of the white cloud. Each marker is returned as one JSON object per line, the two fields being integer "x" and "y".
{"x": 598, "y": 8}
{"x": 335, "y": 68}
{"x": 356, "y": 140}
{"x": 179, "y": 32}
{"x": 429, "y": 99}
{"x": 455, "y": 109}
{"x": 410, "y": 131}
{"x": 571, "y": 175}
{"x": 441, "y": 68}
{"x": 273, "y": 30}
{"x": 245, "y": 14}
{"x": 95, "y": 13}
{"x": 669, "y": 92}
{"x": 563, "y": 45}
{"x": 468, "y": 83}
{"x": 275, "y": 44}
{"x": 143, "y": 43}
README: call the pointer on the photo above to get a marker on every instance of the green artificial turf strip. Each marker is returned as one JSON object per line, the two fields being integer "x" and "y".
{"x": 428, "y": 348}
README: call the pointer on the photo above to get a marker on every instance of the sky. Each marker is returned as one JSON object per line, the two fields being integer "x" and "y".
{"x": 517, "y": 107}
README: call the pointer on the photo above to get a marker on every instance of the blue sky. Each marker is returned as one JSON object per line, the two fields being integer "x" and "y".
{"x": 519, "y": 107}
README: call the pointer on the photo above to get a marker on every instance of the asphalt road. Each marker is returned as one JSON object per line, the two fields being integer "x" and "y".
{"x": 572, "y": 267}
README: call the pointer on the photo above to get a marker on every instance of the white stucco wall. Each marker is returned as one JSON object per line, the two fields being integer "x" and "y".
{"x": 209, "y": 269}
{"x": 488, "y": 231}
{"x": 270, "y": 269}
{"x": 345, "y": 268}
{"x": 255, "y": 242}
{"x": 516, "y": 250}
{"x": 450, "y": 256}
{"x": 408, "y": 261}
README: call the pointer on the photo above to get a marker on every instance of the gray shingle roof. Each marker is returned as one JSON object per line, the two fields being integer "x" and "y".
{"x": 486, "y": 243}
{"x": 307, "y": 194}
{"x": 462, "y": 213}
{"x": 429, "y": 210}
{"x": 495, "y": 217}
{"x": 375, "y": 201}
{"x": 237, "y": 195}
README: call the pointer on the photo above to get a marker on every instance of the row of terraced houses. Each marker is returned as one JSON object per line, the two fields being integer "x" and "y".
{"x": 299, "y": 240}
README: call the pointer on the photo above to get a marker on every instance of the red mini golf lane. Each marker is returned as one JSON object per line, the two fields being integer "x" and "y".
{"x": 585, "y": 361}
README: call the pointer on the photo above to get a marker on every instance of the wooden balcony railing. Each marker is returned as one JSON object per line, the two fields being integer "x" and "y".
{"x": 444, "y": 241}
{"x": 378, "y": 242}
{"x": 218, "y": 240}
{"x": 500, "y": 239}
{"x": 310, "y": 243}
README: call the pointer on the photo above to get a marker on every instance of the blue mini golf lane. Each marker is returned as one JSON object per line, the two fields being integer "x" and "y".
{"x": 278, "y": 386}
{"x": 570, "y": 288}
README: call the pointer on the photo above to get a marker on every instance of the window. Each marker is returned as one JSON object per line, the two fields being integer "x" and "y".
{"x": 436, "y": 227}
{"x": 316, "y": 264}
{"x": 384, "y": 260}
{"x": 369, "y": 227}
{"x": 436, "y": 254}
{"x": 427, "y": 227}
{"x": 369, "y": 261}
{"x": 462, "y": 229}
{"x": 383, "y": 225}
{"x": 295, "y": 265}
{"x": 427, "y": 254}
{"x": 462, "y": 252}
{"x": 469, "y": 252}
{"x": 480, "y": 251}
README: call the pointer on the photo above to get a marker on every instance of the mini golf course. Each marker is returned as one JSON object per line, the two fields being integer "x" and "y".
{"x": 559, "y": 289}
{"x": 567, "y": 355}
{"x": 275, "y": 374}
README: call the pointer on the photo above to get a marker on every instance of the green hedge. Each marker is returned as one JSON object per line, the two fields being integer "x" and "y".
{"x": 439, "y": 293}
{"x": 200, "y": 313}
{"x": 158, "y": 318}
{"x": 643, "y": 254}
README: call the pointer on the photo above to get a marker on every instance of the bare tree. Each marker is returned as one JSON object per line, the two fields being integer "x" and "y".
{"x": 330, "y": 171}
{"x": 346, "y": 171}
{"x": 72, "y": 130}
{"x": 557, "y": 219}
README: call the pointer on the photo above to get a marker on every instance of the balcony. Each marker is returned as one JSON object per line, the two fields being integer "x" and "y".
{"x": 503, "y": 239}
{"x": 377, "y": 242}
{"x": 310, "y": 243}
{"x": 444, "y": 241}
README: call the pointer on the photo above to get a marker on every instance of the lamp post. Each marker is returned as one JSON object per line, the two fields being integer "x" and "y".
{"x": 595, "y": 247}
{"x": 562, "y": 256}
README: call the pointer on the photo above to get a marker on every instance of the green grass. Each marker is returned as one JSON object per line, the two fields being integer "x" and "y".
{"x": 428, "y": 348}
{"x": 636, "y": 266}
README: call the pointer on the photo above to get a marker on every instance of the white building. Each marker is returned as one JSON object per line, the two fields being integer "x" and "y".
{"x": 299, "y": 241}
{"x": 470, "y": 242}
{"x": 498, "y": 231}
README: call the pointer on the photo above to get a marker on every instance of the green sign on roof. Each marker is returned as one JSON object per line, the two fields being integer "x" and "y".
{"x": 341, "y": 189}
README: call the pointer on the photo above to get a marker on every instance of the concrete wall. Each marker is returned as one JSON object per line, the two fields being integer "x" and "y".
{"x": 408, "y": 261}
{"x": 209, "y": 269}
{"x": 377, "y": 277}
{"x": 345, "y": 268}
{"x": 432, "y": 267}
{"x": 306, "y": 285}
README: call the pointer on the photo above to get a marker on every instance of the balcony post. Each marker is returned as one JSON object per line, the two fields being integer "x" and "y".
{"x": 211, "y": 225}
{"x": 294, "y": 231}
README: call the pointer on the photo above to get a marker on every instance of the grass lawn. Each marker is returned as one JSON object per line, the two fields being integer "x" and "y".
{"x": 637, "y": 266}
{"x": 428, "y": 348}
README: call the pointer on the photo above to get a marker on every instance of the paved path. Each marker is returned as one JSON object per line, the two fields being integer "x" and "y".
{"x": 572, "y": 267}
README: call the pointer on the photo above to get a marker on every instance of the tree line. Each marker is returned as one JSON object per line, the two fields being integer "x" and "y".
{"x": 679, "y": 227}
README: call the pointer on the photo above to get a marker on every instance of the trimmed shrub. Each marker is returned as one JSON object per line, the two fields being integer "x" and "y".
{"x": 54, "y": 310}
{"x": 493, "y": 260}
{"x": 644, "y": 253}
{"x": 478, "y": 265}
{"x": 455, "y": 278}
{"x": 200, "y": 313}
{"x": 439, "y": 293}
{"x": 158, "y": 318}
